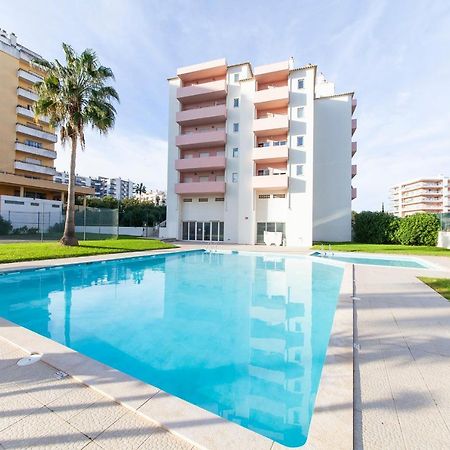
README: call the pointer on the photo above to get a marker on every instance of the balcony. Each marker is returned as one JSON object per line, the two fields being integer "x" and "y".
{"x": 35, "y": 168}
{"x": 20, "y": 147}
{"x": 202, "y": 139}
{"x": 270, "y": 182}
{"x": 200, "y": 187}
{"x": 28, "y": 76}
{"x": 25, "y": 112}
{"x": 276, "y": 97}
{"x": 270, "y": 72}
{"x": 25, "y": 93}
{"x": 209, "y": 69}
{"x": 354, "y": 193}
{"x": 211, "y": 90}
{"x": 203, "y": 163}
{"x": 354, "y": 148}
{"x": 271, "y": 154}
{"x": 30, "y": 131}
{"x": 354, "y": 126}
{"x": 354, "y": 170}
{"x": 354, "y": 104}
{"x": 198, "y": 116}
{"x": 271, "y": 125}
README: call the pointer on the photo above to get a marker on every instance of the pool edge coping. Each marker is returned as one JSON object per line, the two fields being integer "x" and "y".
{"x": 329, "y": 428}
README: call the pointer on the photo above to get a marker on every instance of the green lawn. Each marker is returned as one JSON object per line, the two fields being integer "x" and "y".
{"x": 380, "y": 248}
{"x": 30, "y": 251}
{"x": 440, "y": 285}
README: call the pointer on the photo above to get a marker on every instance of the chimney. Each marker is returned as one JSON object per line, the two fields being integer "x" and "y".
{"x": 13, "y": 39}
{"x": 291, "y": 62}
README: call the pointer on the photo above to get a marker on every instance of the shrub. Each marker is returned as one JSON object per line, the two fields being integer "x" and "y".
{"x": 5, "y": 226}
{"x": 375, "y": 227}
{"x": 419, "y": 229}
{"x": 56, "y": 228}
{"x": 25, "y": 230}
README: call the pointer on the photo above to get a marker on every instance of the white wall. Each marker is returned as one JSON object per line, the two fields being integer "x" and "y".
{"x": 23, "y": 211}
{"x": 202, "y": 211}
{"x": 444, "y": 239}
{"x": 332, "y": 197}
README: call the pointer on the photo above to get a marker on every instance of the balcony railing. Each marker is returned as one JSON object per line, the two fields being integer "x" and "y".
{"x": 272, "y": 153}
{"x": 201, "y": 139}
{"x": 200, "y": 187}
{"x": 19, "y": 146}
{"x": 25, "y": 93}
{"x": 25, "y": 112}
{"x": 354, "y": 125}
{"x": 354, "y": 170}
{"x": 30, "y": 131}
{"x": 202, "y": 163}
{"x": 202, "y": 92}
{"x": 354, "y": 148}
{"x": 354, "y": 193}
{"x": 275, "y": 97}
{"x": 198, "y": 116}
{"x": 354, "y": 104}
{"x": 270, "y": 181}
{"x": 35, "y": 168}
{"x": 271, "y": 125}
{"x": 28, "y": 76}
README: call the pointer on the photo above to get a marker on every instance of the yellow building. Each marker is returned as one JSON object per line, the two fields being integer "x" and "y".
{"x": 27, "y": 147}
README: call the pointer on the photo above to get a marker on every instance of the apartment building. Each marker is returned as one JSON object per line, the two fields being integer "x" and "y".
{"x": 259, "y": 149}
{"x": 27, "y": 147}
{"x": 155, "y": 196}
{"x": 422, "y": 195}
{"x": 102, "y": 186}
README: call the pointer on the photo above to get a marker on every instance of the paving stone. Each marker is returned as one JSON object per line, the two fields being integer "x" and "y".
{"x": 163, "y": 440}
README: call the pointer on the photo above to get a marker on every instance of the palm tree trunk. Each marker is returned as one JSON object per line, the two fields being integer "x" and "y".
{"x": 69, "y": 237}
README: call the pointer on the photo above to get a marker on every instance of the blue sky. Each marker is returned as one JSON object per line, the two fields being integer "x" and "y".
{"x": 394, "y": 54}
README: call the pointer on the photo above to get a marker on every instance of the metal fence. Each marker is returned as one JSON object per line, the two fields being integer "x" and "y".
{"x": 90, "y": 223}
{"x": 445, "y": 221}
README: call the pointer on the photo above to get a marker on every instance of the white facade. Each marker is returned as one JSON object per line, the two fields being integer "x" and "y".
{"x": 284, "y": 162}
{"x": 421, "y": 195}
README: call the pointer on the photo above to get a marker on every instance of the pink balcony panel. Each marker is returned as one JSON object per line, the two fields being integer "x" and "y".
{"x": 212, "y": 90}
{"x": 354, "y": 170}
{"x": 354, "y": 147}
{"x": 354, "y": 125}
{"x": 198, "y": 116}
{"x": 201, "y": 187}
{"x": 208, "y": 69}
{"x": 354, "y": 104}
{"x": 193, "y": 164}
{"x": 201, "y": 140}
{"x": 276, "y": 97}
{"x": 270, "y": 182}
{"x": 354, "y": 193}
{"x": 271, "y": 126}
{"x": 270, "y": 154}
{"x": 271, "y": 72}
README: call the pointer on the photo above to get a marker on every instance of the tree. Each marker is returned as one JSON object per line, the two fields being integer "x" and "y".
{"x": 140, "y": 189}
{"x": 75, "y": 95}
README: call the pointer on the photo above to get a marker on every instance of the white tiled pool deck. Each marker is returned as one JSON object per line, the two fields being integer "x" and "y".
{"x": 401, "y": 392}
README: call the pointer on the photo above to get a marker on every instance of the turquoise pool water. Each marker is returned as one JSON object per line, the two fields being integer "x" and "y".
{"x": 243, "y": 336}
{"x": 391, "y": 262}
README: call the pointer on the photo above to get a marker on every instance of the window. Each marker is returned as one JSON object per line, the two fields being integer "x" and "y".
{"x": 235, "y": 152}
{"x": 300, "y": 141}
{"x": 55, "y": 206}
{"x": 299, "y": 169}
{"x": 187, "y": 200}
{"x": 300, "y": 112}
{"x": 14, "y": 202}
{"x": 236, "y": 103}
{"x": 236, "y": 77}
{"x": 203, "y": 154}
{"x": 264, "y": 196}
{"x": 235, "y": 127}
{"x": 279, "y": 195}
{"x": 203, "y": 178}
{"x": 220, "y": 199}
{"x": 234, "y": 177}
{"x": 34, "y": 204}
{"x": 262, "y": 172}
{"x": 202, "y": 200}
{"x": 301, "y": 83}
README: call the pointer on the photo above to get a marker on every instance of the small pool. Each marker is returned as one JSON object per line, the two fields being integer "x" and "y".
{"x": 374, "y": 260}
{"x": 243, "y": 336}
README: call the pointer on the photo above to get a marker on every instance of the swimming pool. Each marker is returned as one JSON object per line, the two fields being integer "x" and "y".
{"x": 375, "y": 260}
{"x": 241, "y": 335}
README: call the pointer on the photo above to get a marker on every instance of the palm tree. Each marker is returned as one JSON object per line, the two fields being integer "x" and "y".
{"x": 140, "y": 189}
{"x": 75, "y": 95}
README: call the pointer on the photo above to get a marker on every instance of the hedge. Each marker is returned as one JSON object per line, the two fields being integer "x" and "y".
{"x": 419, "y": 229}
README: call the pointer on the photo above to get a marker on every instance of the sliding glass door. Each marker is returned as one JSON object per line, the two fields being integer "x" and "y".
{"x": 203, "y": 231}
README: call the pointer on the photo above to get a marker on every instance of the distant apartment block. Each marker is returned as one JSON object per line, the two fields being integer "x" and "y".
{"x": 27, "y": 150}
{"x": 422, "y": 195}
{"x": 156, "y": 196}
{"x": 255, "y": 150}
{"x": 102, "y": 186}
